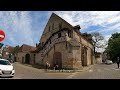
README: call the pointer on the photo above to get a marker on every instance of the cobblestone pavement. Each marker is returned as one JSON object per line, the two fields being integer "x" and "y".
{"x": 100, "y": 71}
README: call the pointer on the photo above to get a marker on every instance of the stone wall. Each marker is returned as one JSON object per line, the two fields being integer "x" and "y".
{"x": 21, "y": 57}
{"x": 53, "y": 26}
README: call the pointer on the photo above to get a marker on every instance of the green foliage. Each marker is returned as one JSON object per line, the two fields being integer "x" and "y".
{"x": 96, "y": 39}
{"x": 113, "y": 48}
{"x": 1, "y": 44}
{"x": 15, "y": 50}
{"x": 88, "y": 37}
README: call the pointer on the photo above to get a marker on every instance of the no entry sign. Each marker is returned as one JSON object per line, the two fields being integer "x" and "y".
{"x": 2, "y": 35}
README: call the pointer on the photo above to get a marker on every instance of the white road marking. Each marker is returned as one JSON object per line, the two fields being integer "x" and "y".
{"x": 16, "y": 78}
{"x": 90, "y": 70}
{"x": 70, "y": 76}
{"x": 106, "y": 69}
{"x": 99, "y": 70}
{"x": 116, "y": 68}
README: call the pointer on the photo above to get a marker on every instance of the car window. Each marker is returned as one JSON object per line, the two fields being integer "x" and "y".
{"x": 4, "y": 62}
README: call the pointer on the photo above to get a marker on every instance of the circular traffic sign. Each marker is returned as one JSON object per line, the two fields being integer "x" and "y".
{"x": 2, "y": 35}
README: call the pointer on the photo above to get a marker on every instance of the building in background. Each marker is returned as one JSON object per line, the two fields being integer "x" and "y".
{"x": 63, "y": 44}
{"x": 7, "y": 52}
{"x": 26, "y": 54}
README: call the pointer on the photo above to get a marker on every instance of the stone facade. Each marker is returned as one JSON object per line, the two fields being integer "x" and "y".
{"x": 63, "y": 44}
{"x": 26, "y": 54}
{"x": 7, "y": 52}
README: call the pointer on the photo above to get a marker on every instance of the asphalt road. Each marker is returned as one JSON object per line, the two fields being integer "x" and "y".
{"x": 98, "y": 71}
{"x": 28, "y": 72}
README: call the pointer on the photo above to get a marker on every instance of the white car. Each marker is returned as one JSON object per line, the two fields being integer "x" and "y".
{"x": 108, "y": 62}
{"x": 6, "y": 68}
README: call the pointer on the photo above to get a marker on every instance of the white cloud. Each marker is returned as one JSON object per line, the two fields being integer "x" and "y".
{"x": 91, "y": 18}
{"x": 17, "y": 27}
{"x": 108, "y": 21}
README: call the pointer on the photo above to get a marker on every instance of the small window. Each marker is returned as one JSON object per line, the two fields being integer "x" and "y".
{"x": 42, "y": 43}
{"x": 53, "y": 26}
{"x": 59, "y": 35}
{"x": 49, "y": 28}
{"x": 69, "y": 33}
{"x": 50, "y": 41}
{"x": 60, "y": 26}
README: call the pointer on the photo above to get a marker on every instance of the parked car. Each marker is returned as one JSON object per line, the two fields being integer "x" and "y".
{"x": 108, "y": 62}
{"x": 11, "y": 61}
{"x": 6, "y": 68}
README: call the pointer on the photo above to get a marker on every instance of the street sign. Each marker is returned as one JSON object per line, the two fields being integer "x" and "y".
{"x": 2, "y": 35}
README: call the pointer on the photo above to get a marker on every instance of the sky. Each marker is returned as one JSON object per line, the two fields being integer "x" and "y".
{"x": 26, "y": 27}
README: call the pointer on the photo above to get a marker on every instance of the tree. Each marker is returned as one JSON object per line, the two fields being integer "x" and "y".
{"x": 15, "y": 50}
{"x": 113, "y": 48}
{"x": 87, "y": 36}
{"x": 1, "y": 44}
{"x": 98, "y": 41}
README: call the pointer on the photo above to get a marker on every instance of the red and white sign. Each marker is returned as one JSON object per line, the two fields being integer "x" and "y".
{"x": 2, "y": 35}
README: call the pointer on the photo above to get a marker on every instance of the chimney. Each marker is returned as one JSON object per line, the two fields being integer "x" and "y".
{"x": 77, "y": 27}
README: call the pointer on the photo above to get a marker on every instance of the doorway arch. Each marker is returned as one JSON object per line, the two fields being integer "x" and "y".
{"x": 84, "y": 56}
{"x": 27, "y": 58}
{"x": 57, "y": 59}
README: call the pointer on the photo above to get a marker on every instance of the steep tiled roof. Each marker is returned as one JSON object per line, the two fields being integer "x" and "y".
{"x": 8, "y": 48}
{"x": 26, "y": 48}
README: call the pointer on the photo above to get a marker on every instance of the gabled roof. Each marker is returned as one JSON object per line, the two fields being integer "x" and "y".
{"x": 26, "y": 48}
{"x": 57, "y": 18}
{"x": 8, "y": 48}
{"x": 75, "y": 28}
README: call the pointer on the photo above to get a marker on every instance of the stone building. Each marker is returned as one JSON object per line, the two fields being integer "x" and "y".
{"x": 63, "y": 44}
{"x": 7, "y": 52}
{"x": 26, "y": 54}
{"x": 98, "y": 57}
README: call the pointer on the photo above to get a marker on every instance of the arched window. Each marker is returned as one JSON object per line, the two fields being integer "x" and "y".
{"x": 70, "y": 34}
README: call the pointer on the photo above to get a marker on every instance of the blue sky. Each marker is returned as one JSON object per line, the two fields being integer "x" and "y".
{"x": 26, "y": 27}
